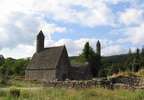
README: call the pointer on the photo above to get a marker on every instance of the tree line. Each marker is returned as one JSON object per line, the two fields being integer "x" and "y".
{"x": 106, "y": 66}
{"x": 11, "y": 67}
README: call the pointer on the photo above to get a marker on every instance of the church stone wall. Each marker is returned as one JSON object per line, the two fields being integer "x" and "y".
{"x": 49, "y": 75}
{"x": 40, "y": 75}
{"x": 33, "y": 74}
{"x": 63, "y": 66}
{"x": 81, "y": 72}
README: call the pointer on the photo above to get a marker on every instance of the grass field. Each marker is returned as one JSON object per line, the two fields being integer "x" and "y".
{"x": 43, "y": 93}
{"x": 35, "y": 91}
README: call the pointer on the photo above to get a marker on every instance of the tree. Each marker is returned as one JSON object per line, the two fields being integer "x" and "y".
{"x": 19, "y": 66}
{"x": 128, "y": 62}
{"x": 92, "y": 58}
{"x": 86, "y": 51}
{"x": 4, "y": 74}
{"x": 136, "y": 61}
{"x": 15, "y": 67}
{"x": 142, "y": 57}
{"x": 142, "y": 51}
{"x": 137, "y": 53}
{"x": 130, "y": 53}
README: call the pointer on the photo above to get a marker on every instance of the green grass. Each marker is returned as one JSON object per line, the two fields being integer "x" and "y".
{"x": 42, "y": 93}
{"x": 21, "y": 83}
{"x": 31, "y": 90}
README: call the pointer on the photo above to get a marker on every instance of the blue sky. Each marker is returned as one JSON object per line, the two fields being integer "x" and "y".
{"x": 118, "y": 24}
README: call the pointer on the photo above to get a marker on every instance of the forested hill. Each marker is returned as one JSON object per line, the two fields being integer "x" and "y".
{"x": 105, "y": 59}
{"x": 115, "y": 58}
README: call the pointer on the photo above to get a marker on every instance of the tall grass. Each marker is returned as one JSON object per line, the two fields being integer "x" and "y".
{"x": 74, "y": 94}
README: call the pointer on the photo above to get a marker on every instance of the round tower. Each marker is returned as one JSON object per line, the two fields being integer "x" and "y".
{"x": 40, "y": 42}
{"x": 98, "y": 48}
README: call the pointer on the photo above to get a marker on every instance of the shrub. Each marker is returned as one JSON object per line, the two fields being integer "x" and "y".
{"x": 14, "y": 92}
{"x": 3, "y": 93}
{"x": 140, "y": 73}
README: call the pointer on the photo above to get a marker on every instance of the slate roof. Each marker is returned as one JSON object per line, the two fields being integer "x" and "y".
{"x": 46, "y": 59}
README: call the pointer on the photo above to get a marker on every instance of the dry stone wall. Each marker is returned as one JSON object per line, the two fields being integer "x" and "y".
{"x": 128, "y": 82}
{"x": 112, "y": 83}
{"x": 80, "y": 84}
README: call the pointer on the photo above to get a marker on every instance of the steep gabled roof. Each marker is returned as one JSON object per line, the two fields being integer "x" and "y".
{"x": 46, "y": 59}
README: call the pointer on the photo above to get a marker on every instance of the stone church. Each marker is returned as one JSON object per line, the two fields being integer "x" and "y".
{"x": 53, "y": 64}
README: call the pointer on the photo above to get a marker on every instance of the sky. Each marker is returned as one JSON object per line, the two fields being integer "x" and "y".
{"x": 118, "y": 24}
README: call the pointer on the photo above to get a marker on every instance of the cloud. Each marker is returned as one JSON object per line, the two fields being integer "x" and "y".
{"x": 20, "y": 21}
{"x": 135, "y": 34}
{"x": 51, "y": 28}
{"x": 75, "y": 47}
{"x": 131, "y": 16}
{"x": 20, "y": 51}
{"x": 114, "y": 50}
{"x": 91, "y": 14}
{"x": 18, "y": 29}
{"x": 22, "y": 29}
{"x": 121, "y": 1}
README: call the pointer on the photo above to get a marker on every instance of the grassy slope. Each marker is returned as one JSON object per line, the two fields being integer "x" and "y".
{"x": 74, "y": 94}
{"x": 34, "y": 91}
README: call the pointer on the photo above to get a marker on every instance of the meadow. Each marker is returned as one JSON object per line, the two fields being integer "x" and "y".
{"x": 49, "y": 93}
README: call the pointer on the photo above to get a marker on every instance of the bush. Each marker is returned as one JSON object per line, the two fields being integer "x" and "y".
{"x": 3, "y": 93}
{"x": 140, "y": 73}
{"x": 14, "y": 92}
{"x": 124, "y": 74}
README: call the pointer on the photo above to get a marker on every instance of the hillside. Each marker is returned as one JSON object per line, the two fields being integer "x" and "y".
{"x": 105, "y": 59}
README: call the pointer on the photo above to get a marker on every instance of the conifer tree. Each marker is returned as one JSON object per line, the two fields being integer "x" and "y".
{"x": 142, "y": 52}
{"x": 136, "y": 61}
{"x": 92, "y": 58}
{"x": 88, "y": 52}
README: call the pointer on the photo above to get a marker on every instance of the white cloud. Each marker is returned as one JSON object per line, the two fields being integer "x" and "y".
{"x": 92, "y": 13}
{"x": 51, "y": 28}
{"x": 75, "y": 47}
{"x": 114, "y": 50}
{"x": 135, "y": 34}
{"x": 131, "y": 16}
{"x": 22, "y": 29}
{"x": 20, "y": 21}
{"x": 21, "y": 51}
{"x": 120, "y": 1}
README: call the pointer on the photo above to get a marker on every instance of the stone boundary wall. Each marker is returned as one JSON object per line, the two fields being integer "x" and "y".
{"x": 78, "y": 84}
{"x": 128, "y": 82}
{"x": 119, "y": 82}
